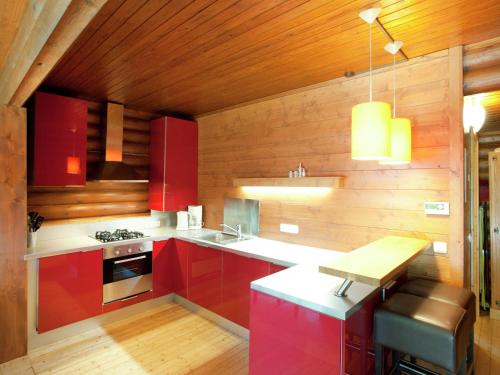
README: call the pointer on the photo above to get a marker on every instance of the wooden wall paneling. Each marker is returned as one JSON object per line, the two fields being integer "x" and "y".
{"x": 13, "y": 282}
{"x": 456, "y": 169}
{"x": 266, "y": 138}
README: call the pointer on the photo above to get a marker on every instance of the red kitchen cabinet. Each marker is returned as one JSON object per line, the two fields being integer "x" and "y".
{"x": 273, "y": 268}
{"x": 163, "y": 267}
{"x": 205, "y": 277}
{"x": 173, "y": 177}
{"x": 238, "y": 272}
{"x": 181, "y": 250}
{"x": 69, "y": 288}
{"x": 59, "y": 141}
{"x": 290, "y": 339}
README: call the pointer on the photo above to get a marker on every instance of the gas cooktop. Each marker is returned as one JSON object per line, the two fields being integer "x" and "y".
{"x": 117, "y": 235}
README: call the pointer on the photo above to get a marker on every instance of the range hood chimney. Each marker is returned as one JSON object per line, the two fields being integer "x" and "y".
{"x": 113, "y": 168}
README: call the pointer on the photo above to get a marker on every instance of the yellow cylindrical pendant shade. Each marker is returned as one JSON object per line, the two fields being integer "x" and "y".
{"x": 400, "y": 142}
{"x": 371, "y": 136}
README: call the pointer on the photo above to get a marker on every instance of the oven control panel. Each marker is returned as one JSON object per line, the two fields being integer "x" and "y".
{"x": 123, "y": 250}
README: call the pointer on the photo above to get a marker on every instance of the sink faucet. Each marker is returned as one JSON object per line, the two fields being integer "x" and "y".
{"x": 236, "y": 229}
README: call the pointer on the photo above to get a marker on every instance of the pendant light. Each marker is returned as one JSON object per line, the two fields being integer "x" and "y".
{"x": 400, "y": 127}
{"x": 474, "y": 113}
{"x": 370, "y": 129}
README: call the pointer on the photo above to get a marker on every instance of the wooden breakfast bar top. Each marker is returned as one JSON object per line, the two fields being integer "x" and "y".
{"x": 378, "y": 262}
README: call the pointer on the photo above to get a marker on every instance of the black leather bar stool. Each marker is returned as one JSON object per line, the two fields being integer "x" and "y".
{"x": 423, "y": 328}
{"x": 450, "y": 294}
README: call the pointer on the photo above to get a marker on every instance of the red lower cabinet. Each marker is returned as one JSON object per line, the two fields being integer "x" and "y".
{"x": 205, "y": 277}
{"x": 359, "y": 359}
{"x": 181, "y": 250}
{"x": 69, "y": 288}
{"x": 237, "y": 274}
{"x": 289, "y": 339}
{"x": 273, "y": 268}
{"x": 163, "y": 267}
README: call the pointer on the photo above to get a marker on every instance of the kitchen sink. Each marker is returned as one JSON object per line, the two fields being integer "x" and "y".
{"x": 222, "y": 238}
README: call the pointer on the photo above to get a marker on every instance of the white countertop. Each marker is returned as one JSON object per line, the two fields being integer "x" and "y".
{"x": 301, "y": 284}
{"x": 278, "y": 252}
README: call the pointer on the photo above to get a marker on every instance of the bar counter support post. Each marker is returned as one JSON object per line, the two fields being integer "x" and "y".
{"x": 341, "y": 291}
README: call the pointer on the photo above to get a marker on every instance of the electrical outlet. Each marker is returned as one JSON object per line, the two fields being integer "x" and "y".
{"x": 440, "y": 247}
{"x": 289, "y": 228}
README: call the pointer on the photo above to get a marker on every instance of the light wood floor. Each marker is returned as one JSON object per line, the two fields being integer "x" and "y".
{"x": 172, "y": 340}
{"x": 487, "y": 346}
{"x": 166, "y": 340}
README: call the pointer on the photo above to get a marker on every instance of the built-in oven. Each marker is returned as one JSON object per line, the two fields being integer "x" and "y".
{"x": 127, "y": 271}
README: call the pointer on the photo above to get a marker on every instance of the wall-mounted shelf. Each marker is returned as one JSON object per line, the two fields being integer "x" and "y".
{"x": 324, "y": 182}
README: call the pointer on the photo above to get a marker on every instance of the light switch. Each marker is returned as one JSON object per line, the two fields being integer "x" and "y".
{"x": 289, "y": 228}
{"x": 437, "y": 208}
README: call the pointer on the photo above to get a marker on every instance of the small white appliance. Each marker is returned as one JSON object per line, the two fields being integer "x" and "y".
{"x": 182, "y": 220}
{"x": 195, "y": 217}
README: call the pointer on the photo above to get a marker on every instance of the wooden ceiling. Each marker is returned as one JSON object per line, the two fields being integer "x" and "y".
{"x": 197, "y": 56}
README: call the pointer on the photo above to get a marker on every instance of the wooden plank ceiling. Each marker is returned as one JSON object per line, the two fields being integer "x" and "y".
{"x": 197, "y": 56}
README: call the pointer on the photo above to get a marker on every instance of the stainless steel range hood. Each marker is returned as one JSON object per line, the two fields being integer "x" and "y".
{"x": 113, "y": 168}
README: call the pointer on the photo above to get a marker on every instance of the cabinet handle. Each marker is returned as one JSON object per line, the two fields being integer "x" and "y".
{"x": 129, "y": 259}
{"x": 496, "y": 230}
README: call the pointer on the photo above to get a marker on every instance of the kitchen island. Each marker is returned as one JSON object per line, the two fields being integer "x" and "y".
{"x": 300, "y": 324}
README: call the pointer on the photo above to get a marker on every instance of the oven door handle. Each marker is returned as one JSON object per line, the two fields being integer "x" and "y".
{"x": 129, "y": 259}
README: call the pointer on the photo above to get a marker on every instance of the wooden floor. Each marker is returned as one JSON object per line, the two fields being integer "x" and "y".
{"x": 487, "y": 346}
{"x": 172, "y": 340}
{"x": 166, "y": 340}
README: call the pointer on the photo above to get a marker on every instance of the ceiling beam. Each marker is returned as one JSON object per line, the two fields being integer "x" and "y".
{"x": 47, "y": 30}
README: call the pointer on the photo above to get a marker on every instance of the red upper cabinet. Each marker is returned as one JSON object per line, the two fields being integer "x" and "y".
{"x": 69, "y": 288}
{"x": 173, "y": 177}
{"x": 59, "y": 141}
{"x": 163, "y": 267}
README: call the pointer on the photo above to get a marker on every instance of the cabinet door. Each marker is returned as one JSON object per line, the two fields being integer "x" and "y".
{"x": 290, "y": 339}
{"x": 181, "y": 164}
{"x": 69, "y": 288}
{"x": 238, "y": 272}
{"x": 180, "y": 272}
{"x": 173, "y": 176}
{"x": 163, "y": 268}
{"x": 60, "y": 141}
{"x": 157, "y": 155}
{"x": 205, "y": 277}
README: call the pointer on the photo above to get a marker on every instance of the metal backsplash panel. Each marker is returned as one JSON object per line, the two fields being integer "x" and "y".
{"x": 242, "y": 211}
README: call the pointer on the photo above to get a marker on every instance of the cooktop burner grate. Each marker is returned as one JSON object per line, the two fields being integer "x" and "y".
{"x": 117, "y": 235}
